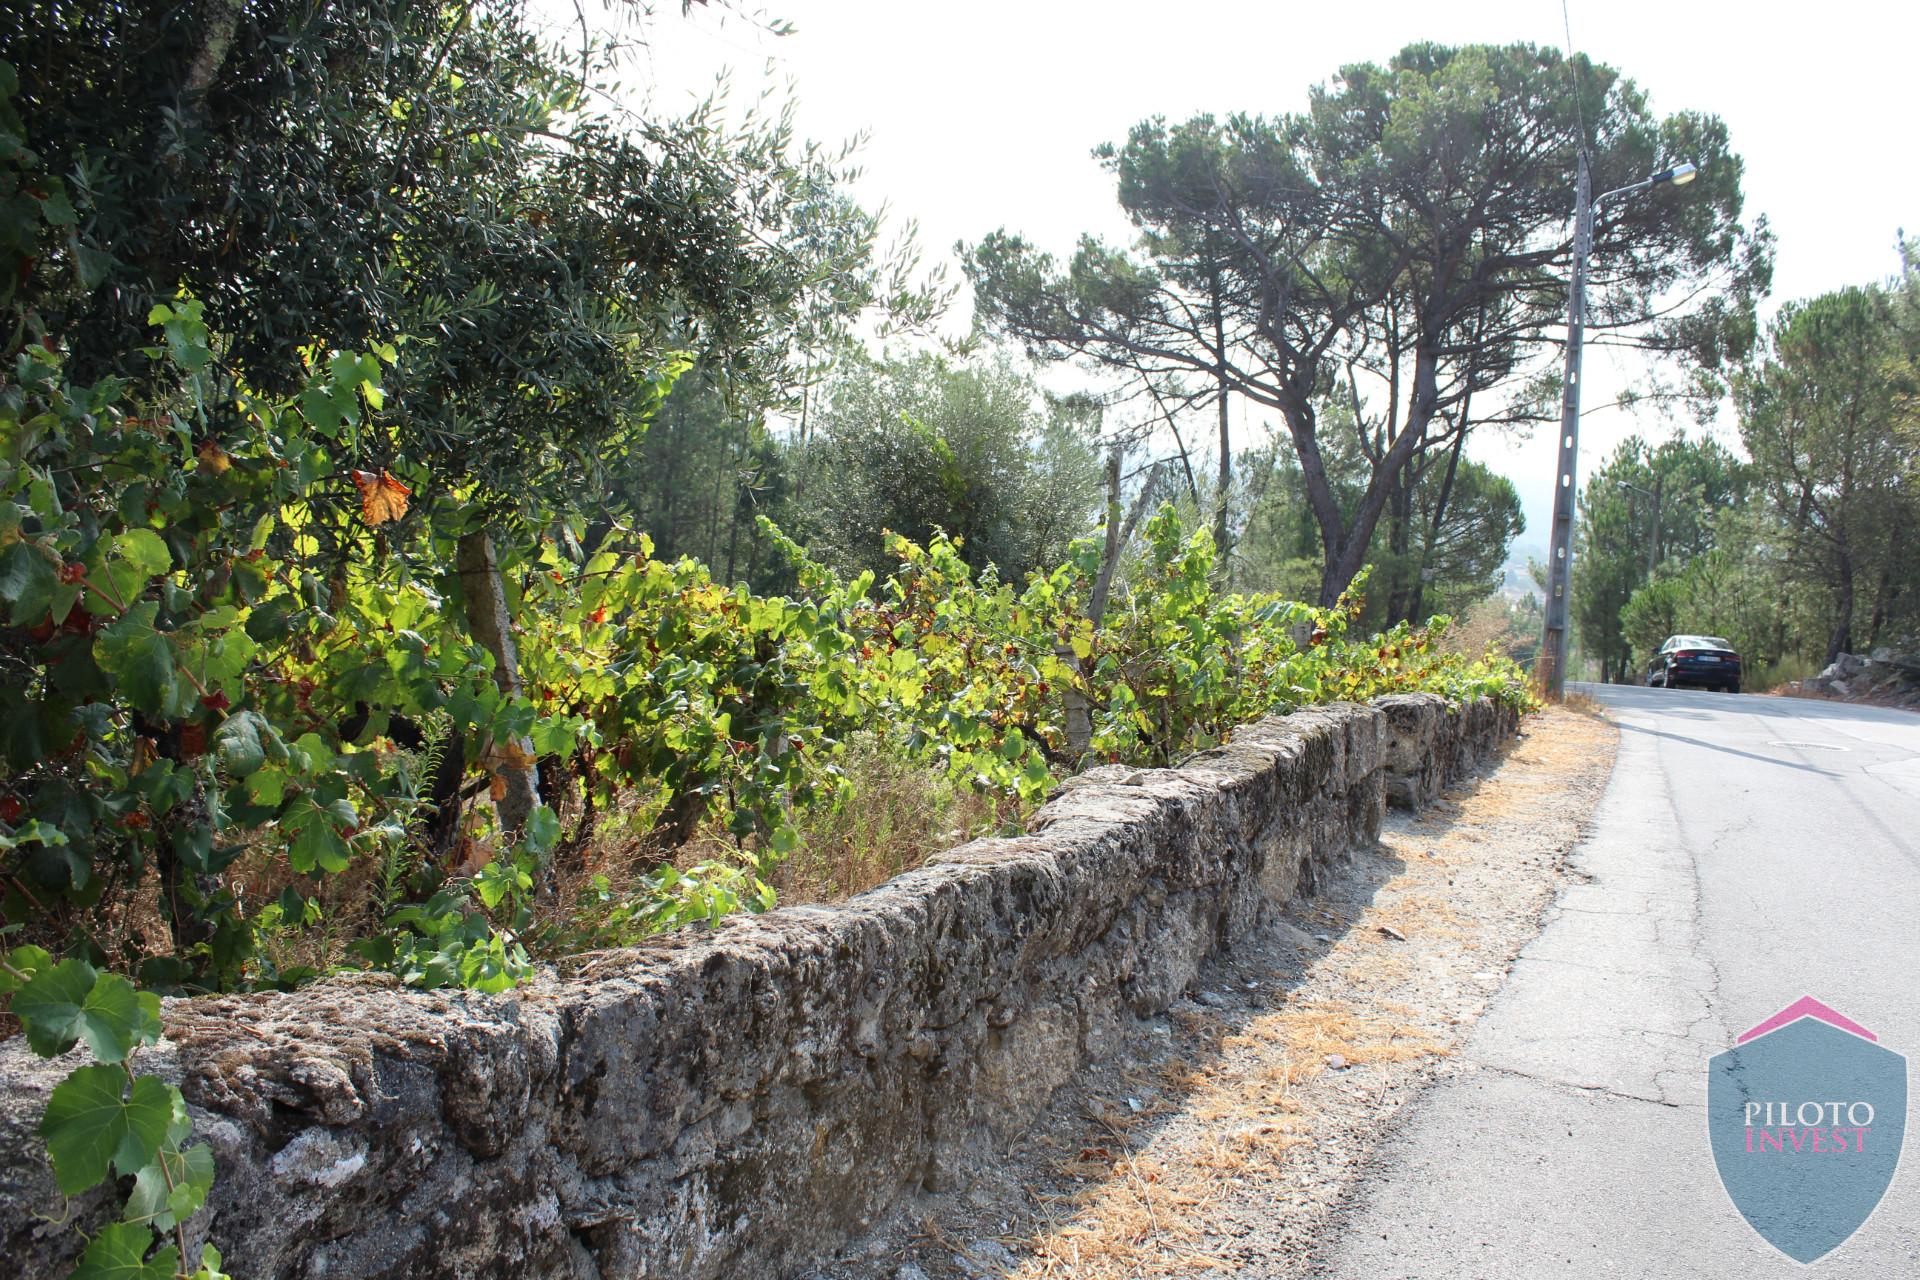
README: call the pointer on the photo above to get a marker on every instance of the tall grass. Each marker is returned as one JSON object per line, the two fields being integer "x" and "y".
{"x": 1786, "y": 670}
{"x": 895, "y": 814}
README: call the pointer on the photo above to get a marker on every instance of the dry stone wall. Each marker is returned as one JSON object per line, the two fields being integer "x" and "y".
{"x": 1432, "y": 742}
{"x": 740, "y": 1101}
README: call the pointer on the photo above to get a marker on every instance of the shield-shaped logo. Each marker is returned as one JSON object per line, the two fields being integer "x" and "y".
{"x": 1807, "y": 1114}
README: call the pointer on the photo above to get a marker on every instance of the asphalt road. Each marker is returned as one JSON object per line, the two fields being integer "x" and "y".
{"x": 1748, "y": 851}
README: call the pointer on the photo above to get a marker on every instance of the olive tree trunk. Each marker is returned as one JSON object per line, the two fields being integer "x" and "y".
{"x": 491, "y": 624}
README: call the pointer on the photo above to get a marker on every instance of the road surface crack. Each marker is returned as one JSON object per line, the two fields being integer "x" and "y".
{"x": 1575, "y": 1087}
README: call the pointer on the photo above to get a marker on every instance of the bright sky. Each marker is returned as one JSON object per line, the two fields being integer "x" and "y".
{"x": 982, "y": 115}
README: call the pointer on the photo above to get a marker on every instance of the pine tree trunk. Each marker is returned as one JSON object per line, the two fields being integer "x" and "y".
{"x": 1079, "y": 712}
{"x": 1119, "y": 530}
{"x": 1222, "y": 526}
{"x": 1418, "y": 612}
{"x": 1404, "y": 578}
{"x": 1841, "y": 641}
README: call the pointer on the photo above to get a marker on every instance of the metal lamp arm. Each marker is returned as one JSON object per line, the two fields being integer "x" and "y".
{"x": 1678, "y": 173}
{"x": 1641, "y": 185}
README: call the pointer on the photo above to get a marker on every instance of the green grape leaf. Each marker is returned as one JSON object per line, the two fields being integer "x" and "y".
{"x": 112, "y": 1019}
{"x": 209, "y": 1265}
{"x": 497, "y": 879}
{"x": 543, "y": 831}
{"x": 186, "y": 334}
{"x": 146, "y": 1018}
{"x": 22, "y": 963}
{"x": 139, "y": 659}
{"x": 314, "y": 841}
{"x": 93, "y": 266}
{"x": 118, "y": 1252}
{"x": 321, "y": 410}
{"x": 245, "y": 742}
{"x": 217, "y": 655}
{"x": 318, "y": 756}
{"x": 60, "y": 603}
{"x": 267, "y": 787}
{"x": 552, "y": 735}
{"x": 172, "y": 1188}
{"x": 93, "y": 1122}
{"x": 120, "y": 570}
{"x": 27, "y": 581}
{"x": 56, "y": 208}
{"x": 50, "y": 1007}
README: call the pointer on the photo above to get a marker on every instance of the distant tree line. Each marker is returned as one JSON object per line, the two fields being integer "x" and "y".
{"x": 1378, "y": 278}
{"x": 1799, "y": 552}
{"x": 916, "y": 443}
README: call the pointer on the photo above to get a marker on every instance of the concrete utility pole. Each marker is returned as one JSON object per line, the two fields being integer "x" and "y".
{"x": 1552, "y": 668}
{"x": 1553, "y": 645}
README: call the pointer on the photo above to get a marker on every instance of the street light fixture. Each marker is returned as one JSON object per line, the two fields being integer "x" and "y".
{"x": 1553, "y": 646}
{"x": 1680, "y": 175}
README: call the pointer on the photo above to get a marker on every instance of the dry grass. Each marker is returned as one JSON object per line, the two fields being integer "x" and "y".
{"x": 894, "y": 816}
{"x": 1241, "y": 1109}
{"x": 1143, "y": 1216}
{"x": 898, "y": 814}
{"x": 1488, "y": 624}
{"x": 1585, "y": 704}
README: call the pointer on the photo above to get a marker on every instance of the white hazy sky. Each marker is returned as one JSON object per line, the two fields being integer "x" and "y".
{"x": 982, "y": 115}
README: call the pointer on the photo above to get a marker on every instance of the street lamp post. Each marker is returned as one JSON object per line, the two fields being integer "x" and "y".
{"x": 1553, "y": 647}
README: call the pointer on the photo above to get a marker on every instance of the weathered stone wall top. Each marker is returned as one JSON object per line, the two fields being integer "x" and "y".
{"x": 737, "y": 1101}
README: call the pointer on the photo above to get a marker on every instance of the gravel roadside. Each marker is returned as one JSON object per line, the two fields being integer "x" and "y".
{"x": 1221, "y": 1139}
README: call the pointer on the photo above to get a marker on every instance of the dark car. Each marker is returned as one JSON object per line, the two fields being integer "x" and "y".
{"x": 1695, "y": 662}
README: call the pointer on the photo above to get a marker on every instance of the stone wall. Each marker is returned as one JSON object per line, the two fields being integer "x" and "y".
{"x": 741, "y": 1101}
{"x": 1432, "y": 742}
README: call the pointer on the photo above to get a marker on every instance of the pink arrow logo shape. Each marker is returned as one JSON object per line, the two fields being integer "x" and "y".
{"x": 1806, "y": 1007}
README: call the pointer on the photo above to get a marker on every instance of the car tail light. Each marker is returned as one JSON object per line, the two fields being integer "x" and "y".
{"x": 1686, "y": 653}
